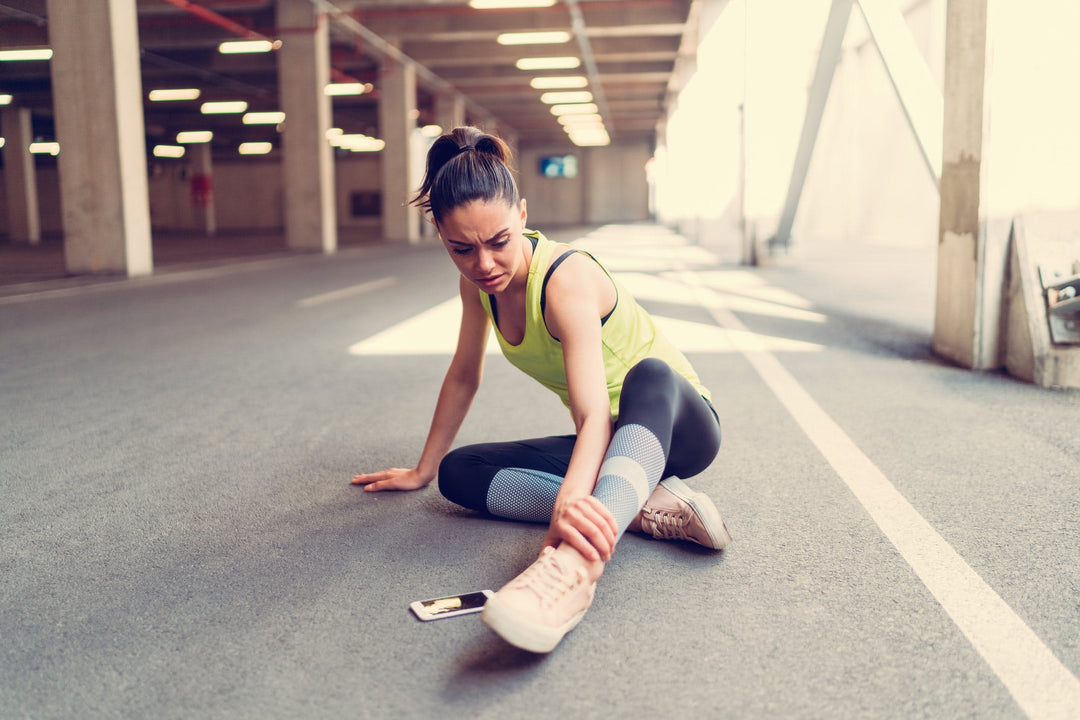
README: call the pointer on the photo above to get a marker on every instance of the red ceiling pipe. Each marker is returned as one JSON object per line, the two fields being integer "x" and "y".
{"x": 219, "y": 20}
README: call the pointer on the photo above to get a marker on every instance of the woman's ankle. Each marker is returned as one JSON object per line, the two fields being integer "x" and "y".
{"x": 593, "y": 568}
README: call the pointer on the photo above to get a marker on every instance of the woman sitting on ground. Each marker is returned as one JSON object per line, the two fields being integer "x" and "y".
{"x": 639, "y": 410}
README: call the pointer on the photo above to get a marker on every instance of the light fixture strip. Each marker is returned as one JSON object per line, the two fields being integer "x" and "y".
{"x": 548, "y": 63}
{"x": 552, "y": 37}
{"x": 228, "y": 107}
{"x": 174, "y": 94}
{"x": 509, "y": 4}
{"x": 237, "y": 47}
{"x": 25, "y": 54}
{"x": 194, "y": 136}
{"x": 558, "y": 82}
{"x": 263, "y": 118}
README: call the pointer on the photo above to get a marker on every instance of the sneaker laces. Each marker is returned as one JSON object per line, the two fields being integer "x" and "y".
{"x": 668, "y": 525}
{"x": 547, "y": 580}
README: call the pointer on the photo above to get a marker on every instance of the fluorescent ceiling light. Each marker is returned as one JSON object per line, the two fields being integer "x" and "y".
{"x": 5, "y": 99}
{"x": 356, "y": 88}
{"x": 495, "y": 4}
{"x": 576, "y": 109}
{"x": 170, "y": 151}
{"x": 45, "y": 148}
{"x": 194, "y": 136}
{"x": 559, "y": 81}
{"x": 580, "y": 119}
{"x": 255, "y": 148}
{"x": 224, "y": 108}
{"x": 263, "y": 118}
{"x": 548, "y": 63}
{"x": 573, "y": 96}
{"x": 584, "y": 128}
{"x": 592, "y": 138}
{"x": 235, "y": 47}
{"x": 431, "y": 131}
{"x": 332, "y": 133}
{"x": 358, "y": 143}
{"x": 166, "y": 95}
{"x": 1, "y": 142}
{"x": 25, "y": 54}
{"x": 533, "y": 38}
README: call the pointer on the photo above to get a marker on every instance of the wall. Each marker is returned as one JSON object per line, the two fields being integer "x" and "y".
{"x": 867, "y": 180}
{"x": 48, "y": 183}
{"x": 247, "y": 193}
{"x": 730, "y": 149}
{"x": 610, "y": 186}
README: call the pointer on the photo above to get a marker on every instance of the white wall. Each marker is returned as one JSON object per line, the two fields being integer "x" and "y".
{"x": 867, "y": 182}
{"x": 248, "y": 193}
{"x": 610, "y": 186}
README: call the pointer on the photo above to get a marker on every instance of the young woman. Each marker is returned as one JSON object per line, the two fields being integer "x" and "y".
{"x": 639, "y": 410}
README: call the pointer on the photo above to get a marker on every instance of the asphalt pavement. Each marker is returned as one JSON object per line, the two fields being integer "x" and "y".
{"x": 179, "y": 539}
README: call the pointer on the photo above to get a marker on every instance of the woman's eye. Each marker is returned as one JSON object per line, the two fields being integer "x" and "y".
{"x": 500, "y": 243}
{"x": 461, "y": 251}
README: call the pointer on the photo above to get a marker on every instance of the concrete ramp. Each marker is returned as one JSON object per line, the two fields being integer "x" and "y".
{"x": 1042, "y": 307}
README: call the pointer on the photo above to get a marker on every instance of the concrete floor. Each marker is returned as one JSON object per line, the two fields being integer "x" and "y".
{"x": 178, "y": 537}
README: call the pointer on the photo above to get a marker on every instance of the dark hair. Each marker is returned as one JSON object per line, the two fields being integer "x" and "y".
{"x": 464, "y": 165}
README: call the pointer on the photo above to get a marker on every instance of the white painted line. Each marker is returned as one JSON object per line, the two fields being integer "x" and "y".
{"x": 345, "y": 292}
{"x": 1043, "y": 687}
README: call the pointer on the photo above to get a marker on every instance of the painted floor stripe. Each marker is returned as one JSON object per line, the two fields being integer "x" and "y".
{"x": 345, "y": 292}
{"x": 1043, "y": 687}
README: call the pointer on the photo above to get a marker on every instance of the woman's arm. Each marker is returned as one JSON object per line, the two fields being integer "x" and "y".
{"x": 578, "y": 296}
{"x": 456, "y": 396}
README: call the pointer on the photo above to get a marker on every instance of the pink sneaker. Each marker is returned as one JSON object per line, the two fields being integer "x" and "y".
{"x": 538, "y": 607}
{"x": 675, "y": 512}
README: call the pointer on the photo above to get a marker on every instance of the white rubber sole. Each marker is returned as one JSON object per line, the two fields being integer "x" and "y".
{"x": 521, "y": 633}
{"x": 703, "y": 505}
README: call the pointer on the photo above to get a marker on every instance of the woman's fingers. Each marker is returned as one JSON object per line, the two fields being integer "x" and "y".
{"x": 590, "y": 529}
{"x": 392, "y": 479}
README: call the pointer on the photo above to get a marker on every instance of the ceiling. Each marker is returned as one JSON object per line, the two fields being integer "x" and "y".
{"x": 629, "y": 50}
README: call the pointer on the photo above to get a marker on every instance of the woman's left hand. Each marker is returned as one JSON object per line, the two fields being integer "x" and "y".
{"x": 586, "y": 524}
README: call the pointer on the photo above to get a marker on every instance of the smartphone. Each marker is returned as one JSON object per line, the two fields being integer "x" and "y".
{"x": 450, "y": 606}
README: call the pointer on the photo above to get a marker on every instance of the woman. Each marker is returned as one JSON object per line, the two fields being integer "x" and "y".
{"x": 639, "y": 410}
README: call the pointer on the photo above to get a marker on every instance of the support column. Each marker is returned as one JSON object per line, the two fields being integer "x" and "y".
{"x": 397, "y": 121}
{"x": 303, "y": 72}
{"x": 449, "y": 111}
{"x": 202, "y": 171}
{"x": 958, "y": 320}
{"x": 99, "y": 124}
{"x": 20, "y": 177}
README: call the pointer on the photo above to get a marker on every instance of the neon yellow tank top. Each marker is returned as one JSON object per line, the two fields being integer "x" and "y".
{"x": 629, "y": 335}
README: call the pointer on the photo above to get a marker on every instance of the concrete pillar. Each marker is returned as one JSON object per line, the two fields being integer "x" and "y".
{"x": 20, "y": 177}
{"x": 202, "y": 166}
{"x": 397, "y": 121}
{"x": 959, "y": 323}
{"x": 449, "y": 111}
{"x": 97, "y": 91}
{"x": 308, "y": 164}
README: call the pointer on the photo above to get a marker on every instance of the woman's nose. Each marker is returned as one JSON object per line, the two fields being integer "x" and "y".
{"x": 484, "y": 260}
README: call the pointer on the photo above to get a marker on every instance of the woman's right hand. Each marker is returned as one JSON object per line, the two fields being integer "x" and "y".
{"x": 392, "y": 479}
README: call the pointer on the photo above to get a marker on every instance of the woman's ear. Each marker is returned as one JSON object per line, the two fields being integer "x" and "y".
{"x": 524, "y": 215}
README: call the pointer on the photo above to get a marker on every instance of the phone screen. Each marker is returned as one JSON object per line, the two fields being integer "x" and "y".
{"x": 451, "y": 605}
{"x": 456, "y": 603}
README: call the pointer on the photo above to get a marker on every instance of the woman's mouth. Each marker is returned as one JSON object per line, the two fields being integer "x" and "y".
{"x": 490, "y": 281}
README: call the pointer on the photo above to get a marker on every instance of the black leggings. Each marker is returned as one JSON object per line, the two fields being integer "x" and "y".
{"x": 653, "y": 396}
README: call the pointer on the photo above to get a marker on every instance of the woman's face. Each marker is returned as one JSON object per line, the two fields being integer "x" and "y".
{"x": 485, "y": 242}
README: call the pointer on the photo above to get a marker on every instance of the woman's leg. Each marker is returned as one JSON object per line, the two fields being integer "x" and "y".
{"x": 513, "y": 480}
{"x": 665, "y": 428}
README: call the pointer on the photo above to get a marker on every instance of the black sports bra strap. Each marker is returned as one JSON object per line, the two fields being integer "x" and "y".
{"x": 547, "y": 276}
